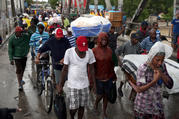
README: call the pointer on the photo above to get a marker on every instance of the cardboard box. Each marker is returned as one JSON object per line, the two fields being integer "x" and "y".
{"x": 115, "y": 16}
{"x": 116, "y": 23}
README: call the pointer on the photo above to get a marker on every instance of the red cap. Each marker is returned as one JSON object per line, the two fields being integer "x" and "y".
{"x": 18, "y": 29}
{"x": 82, "y": 43}
{"x": 59, "y": 33}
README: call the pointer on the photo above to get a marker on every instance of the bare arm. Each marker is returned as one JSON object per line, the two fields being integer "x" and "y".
{"x": 37, "y": 59}
{"x": 63, "y": 76}
{"x": 139, "y": 89}
{"x": 122, "y": 30}
{"x": 119, "y": 61}
{"x": 167, "y": 80}
{"x": 172, "y": 30}
{"x": 92, "y": 73}
{"x": 143, "y": 88}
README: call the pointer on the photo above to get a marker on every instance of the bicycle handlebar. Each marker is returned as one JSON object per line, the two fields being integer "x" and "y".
{"x": 42, "y": 62}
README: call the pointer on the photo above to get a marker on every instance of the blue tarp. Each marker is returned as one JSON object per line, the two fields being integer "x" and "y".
{"x": 90, "y": 31}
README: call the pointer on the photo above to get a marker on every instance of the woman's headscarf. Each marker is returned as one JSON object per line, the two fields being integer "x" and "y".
{"x": 159, "y": 47}
{"x": 100, "y": 36}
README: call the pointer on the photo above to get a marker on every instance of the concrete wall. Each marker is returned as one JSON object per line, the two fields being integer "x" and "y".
{"x": 6, "y": 18}
{"x": 17, "y": 6}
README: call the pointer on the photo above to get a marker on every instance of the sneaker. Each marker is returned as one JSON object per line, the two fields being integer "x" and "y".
{"x": 22, "y": 82}
{"x": 20, "y": 88}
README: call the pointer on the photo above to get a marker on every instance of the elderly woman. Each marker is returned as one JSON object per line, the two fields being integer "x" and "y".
{"x": 104, "y": 71}
{"x": 150, "y": 77}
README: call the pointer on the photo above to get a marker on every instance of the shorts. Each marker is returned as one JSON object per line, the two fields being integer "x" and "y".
{"x": 20, "y": 65}
{"x": 102, "y": 88}
{"x": 77, "y": 97}
{"x": 57, "y": 75}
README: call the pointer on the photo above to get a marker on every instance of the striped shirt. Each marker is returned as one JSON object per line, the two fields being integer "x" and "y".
{"x": 72, "y": 41}
{"x": 35, "y": 39}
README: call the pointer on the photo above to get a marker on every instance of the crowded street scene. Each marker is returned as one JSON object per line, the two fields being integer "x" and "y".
{"x": 89, "y": 59}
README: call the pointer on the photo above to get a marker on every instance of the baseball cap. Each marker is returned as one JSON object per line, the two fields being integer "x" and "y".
{"x": 59, "y": 33}
{"x": 135, "y": 36}
{"x": 18, "y": 29}
{"x": 82, "y": 43}
{"x": 144, "y": 23}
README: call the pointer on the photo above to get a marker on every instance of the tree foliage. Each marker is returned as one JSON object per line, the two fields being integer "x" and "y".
{"x": 29, "y": 2}
{"x": 153, "y": 7}
{"x": 168, "y": 16}
{"x": 53, "y": 3}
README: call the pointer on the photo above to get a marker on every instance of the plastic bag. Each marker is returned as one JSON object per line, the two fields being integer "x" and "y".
{"x": 60, "y": 107}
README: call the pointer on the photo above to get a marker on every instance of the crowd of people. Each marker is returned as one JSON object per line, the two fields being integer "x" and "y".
{"x": 82, "y": 67}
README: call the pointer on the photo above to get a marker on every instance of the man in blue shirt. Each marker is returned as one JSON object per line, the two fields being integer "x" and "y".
{"x": 58, "y": 45}
{"x": 148, "y": 42}
{"x": 39, "y": 37}
{"x": 175, "y": 29}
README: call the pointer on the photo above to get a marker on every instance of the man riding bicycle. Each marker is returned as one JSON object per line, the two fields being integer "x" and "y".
{"x": 39, "y": 38}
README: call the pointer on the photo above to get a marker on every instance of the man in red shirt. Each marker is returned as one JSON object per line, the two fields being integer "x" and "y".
{"x": 104, "y": 71}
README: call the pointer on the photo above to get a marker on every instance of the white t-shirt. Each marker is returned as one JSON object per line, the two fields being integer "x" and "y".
{"x": 77, "y": 68}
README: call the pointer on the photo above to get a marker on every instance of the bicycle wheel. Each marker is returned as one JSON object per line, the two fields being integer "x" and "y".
{"x": 48, "y": 93}
{"x": 39, "y": 84}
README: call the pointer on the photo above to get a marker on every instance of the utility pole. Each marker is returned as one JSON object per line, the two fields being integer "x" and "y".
{"x": 95, "y": 5}
{"x": 120, "y": 5}
{"x": 13, "y": 8}
{"x": 87, "y": 6}
{"x": 20, "y": 6}
{"x": 3, "y": 19}
{"x": 78, "y": 7}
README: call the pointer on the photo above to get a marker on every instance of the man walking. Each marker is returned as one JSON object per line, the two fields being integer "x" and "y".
{"x": 130, "y": 47}
{"x": 57, "y": 44}
{"x": 37, "y": 39}
{"x": 76, "y": 61}
{"x": 18, "y": 49}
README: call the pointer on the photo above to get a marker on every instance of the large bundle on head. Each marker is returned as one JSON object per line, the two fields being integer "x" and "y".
{"x": 90, "y": 26}
{"x": 53, "y": 20}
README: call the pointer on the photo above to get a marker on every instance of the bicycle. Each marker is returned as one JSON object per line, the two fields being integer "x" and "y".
{"x": 44, "y": 84}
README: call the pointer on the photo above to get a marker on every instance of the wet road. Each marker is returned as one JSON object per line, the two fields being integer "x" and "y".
{"x": 32, "y": 107}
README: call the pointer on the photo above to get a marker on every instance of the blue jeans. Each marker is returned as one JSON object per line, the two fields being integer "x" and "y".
{"x": 174, "y": 39}
{"x": 32, "y": 51}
